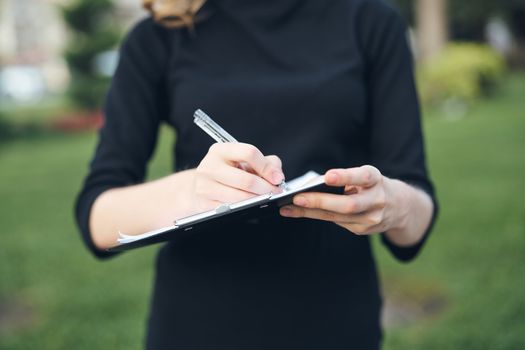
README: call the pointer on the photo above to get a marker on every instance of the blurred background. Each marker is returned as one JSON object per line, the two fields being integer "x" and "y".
{"x": 466, "y": 290}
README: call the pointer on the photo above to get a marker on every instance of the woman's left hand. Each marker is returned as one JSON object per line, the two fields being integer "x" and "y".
{"x": 370, "y": 203}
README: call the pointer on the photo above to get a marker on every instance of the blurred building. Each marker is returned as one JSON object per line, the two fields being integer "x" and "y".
{"x": 32, "y": 34}
{"x": 129, "y": 11}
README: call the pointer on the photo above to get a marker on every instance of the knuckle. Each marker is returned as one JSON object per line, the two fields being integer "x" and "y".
{"x": 371, "y": 169}
{"x": 330, "y": 217}
{"x": 214, "y": 148}
{"x": 375, "y": 219}
{"x": 370, "y": 173}
{"x": 267, "y": 167}
{"x": 359, "y": 230}
{"x": 367, "y": 175}
{"x": 350, "y": 207}
{"x": 275, "y": 160}
{"x": 250, "y": 151}
{"x": 314, "y": 201}
{"x": 381, "y": 201}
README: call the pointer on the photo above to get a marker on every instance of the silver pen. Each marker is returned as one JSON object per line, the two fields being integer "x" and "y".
{"x": 217, "y": 132}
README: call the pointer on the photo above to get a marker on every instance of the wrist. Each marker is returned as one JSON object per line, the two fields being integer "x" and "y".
{"x": 398, "y": 193}
{"x": 180, "y": 192}
{"x": 401, "y": 203}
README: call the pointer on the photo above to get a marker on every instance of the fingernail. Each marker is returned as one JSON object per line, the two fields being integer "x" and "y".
{"x": 300, "y": 201}
{"x": 286, "y": 211}
{"x": 332, "y": 177}
{"x": 277, "y": 177}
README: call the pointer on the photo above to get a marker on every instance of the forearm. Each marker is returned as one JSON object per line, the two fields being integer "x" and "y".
{"x": 414, "y": 213}
{"x": 140, "y": 208}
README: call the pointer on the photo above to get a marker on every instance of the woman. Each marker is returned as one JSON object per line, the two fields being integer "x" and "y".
{"x": 324, "y": 85}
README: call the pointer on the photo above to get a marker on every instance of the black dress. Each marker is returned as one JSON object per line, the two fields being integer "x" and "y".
{"x": 322, "y": 84}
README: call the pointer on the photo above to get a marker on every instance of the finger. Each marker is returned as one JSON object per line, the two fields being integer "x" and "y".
{"x": 293, "y": 211}
{"x": 242, "y": 180}
{"x": 275, "y": 161}
{"x": 358, "y": 223}
{"x": 226, "y": 194}
{"x": 366, "y": 176}
{"x": 371, "y": 219}
{"x": 235, "y": 153}
{"x": 342, "y": 204}
{"x": 217, "y": 192}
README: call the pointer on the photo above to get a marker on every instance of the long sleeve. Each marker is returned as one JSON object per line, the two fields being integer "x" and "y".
{"x": 135, "y": 106}
{"x": 396, "y": 143}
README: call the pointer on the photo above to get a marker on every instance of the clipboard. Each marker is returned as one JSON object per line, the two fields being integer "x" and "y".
{"x": 257, "y": 208}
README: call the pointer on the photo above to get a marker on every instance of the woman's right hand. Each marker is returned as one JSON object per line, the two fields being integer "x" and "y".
{"x": 231, "y": 172}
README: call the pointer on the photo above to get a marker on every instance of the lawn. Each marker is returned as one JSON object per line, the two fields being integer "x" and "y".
{"x": 465, "y": 291}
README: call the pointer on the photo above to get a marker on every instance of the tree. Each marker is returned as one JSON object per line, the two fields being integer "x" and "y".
{"x": 430, "y": 19}
{"x": 431, "y": 24}
{"x": 92, "y": 33}
{"x": 468, "y": 17}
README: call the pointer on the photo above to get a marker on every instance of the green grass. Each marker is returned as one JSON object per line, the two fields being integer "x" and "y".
{"x": 476, "y": 255}
{"x": 69, "y": 300}
{"x": 53, "y": 295}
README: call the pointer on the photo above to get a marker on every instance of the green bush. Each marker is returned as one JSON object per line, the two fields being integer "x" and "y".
{"x": 463, "y": 72}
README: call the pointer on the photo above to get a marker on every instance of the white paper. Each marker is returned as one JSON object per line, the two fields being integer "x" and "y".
{"x": 124, "y": 238}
